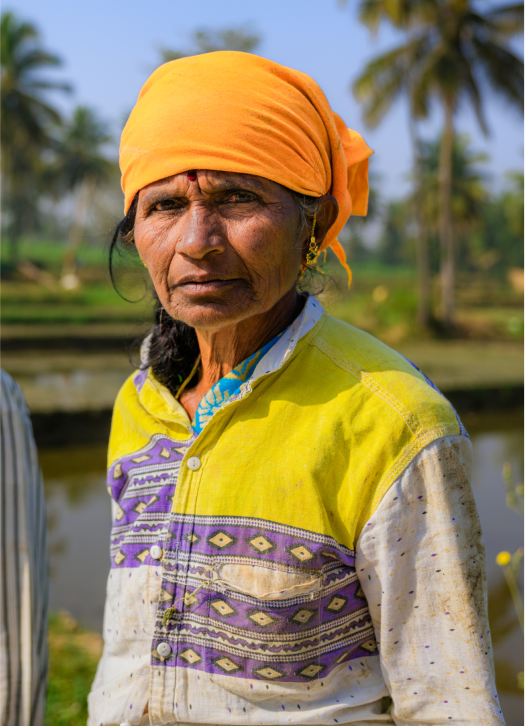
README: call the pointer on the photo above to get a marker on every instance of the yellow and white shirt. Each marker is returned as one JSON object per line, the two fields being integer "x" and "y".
{"x": 312, "y": 556}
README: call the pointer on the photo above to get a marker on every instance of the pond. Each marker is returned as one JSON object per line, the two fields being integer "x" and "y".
{"x": 79, "y": 525}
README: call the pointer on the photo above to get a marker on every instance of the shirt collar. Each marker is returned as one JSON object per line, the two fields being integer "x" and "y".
{"x": 156, "y": 397}
{"x": 279, "y": 354}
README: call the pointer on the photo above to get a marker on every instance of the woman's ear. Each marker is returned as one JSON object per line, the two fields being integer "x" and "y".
{"x": 327, "y": 212}
{"x": 326, "y": 216}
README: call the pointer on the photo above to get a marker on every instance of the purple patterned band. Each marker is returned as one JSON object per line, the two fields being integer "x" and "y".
{"x": 221, "y": 627}
{"x": 231, "y": 539}
{"x": 143, "y": 485}
{"x": 248, "y": 597}
{"x": 150, "y": 463}
{"x": 195, "y": 654}
{"x": 340, "y": 606}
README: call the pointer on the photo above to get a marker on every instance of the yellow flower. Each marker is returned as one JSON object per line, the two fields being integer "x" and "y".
{"x": 503, "y": 558}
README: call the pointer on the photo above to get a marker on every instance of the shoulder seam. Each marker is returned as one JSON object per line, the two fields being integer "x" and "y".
{"x": 410, "y": 452}
{"x": 364, "y": 378}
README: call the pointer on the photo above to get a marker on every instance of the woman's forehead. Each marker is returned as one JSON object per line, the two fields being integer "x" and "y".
{"x": 211, "y": 180}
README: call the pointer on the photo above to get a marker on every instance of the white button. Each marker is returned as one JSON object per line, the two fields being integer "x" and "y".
{"x": 156, "y": 552}
{"x": 194, "y": 463}
{"x": 164, "y": 649}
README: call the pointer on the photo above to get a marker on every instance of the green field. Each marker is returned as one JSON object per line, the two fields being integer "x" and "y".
{"x": 382, "y": 300}
{"x": 29, "y": 301}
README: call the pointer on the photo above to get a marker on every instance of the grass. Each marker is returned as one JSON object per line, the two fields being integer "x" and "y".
{"x": 94, "y": 302}
{"x": 50, "y": 253}
{"x": 25, "y": 301}
{"x": 386, "y": 306}
{"x": 74, "y": 653}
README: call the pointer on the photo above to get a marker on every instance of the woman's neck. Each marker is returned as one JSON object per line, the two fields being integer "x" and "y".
{"x": 222, "y": 350}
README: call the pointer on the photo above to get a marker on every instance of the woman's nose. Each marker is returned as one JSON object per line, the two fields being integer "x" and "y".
{"x": 200, "y": 234}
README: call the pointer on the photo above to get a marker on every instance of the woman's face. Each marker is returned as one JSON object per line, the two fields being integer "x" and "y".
{"x": 220, "y": 247}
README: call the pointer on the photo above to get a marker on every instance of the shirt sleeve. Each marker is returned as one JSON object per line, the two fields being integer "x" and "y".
{"x": 23, "y": 565}
{"x": 421, "y": 563}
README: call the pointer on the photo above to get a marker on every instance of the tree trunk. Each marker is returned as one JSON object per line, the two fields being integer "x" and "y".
{"x": 446, "y": 232}
{"x": 423, "y": 270}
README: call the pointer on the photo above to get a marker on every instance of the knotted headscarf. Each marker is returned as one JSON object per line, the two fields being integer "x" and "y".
{"x": 238, "y": 112}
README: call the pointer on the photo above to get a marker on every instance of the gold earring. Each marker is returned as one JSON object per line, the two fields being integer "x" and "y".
{"x": 313, "y": 250}
{"x": 142, "y": 261}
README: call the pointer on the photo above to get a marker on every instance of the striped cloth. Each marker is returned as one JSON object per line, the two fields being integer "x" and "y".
{"x": 23, "y": 566}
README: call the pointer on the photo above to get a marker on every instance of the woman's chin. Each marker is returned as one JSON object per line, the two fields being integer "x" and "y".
{"x": 211, "y": 314}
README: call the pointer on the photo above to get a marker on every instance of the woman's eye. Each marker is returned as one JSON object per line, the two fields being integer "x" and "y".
{"x": 165, "y": 205}
{"x": 237, "y": 197}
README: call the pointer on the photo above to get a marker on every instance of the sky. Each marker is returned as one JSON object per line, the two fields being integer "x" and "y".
{"x": 109, "y": 47}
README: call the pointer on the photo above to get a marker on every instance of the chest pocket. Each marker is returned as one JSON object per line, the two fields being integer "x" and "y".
{"x": 266, "y": 584}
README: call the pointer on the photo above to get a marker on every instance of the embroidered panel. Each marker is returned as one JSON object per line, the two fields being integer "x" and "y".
{"x": 259, "y": 600}
{"x": 143, "y": 485}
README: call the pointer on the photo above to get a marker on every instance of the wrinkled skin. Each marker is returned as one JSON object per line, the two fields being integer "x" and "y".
{"x": 224, "y": 253}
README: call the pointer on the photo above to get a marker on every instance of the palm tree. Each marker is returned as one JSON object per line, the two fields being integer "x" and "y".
{"x": 27, "y": 119}
{"x": 395, "y": 232}
{"x": 421, "y": 236}
{"x": 79, "y": 166}
{"x": 207, "y": 41}
{"x": 451, "y": 54}
{"x": 469, "y": 194}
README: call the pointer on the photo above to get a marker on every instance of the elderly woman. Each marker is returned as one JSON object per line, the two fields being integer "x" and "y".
{"x": 295, "y": 539}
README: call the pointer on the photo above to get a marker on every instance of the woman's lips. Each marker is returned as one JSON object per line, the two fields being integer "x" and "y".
{"x": 206, "y": 286}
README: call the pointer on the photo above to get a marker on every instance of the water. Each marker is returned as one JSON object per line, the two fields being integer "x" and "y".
{"x": 79, "y": 525}
{"x": 79, "y": 522}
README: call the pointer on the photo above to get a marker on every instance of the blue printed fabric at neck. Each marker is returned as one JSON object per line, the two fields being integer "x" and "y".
{"x": 228, "y": 386}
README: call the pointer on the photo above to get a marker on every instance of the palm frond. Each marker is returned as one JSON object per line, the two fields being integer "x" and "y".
{"x": 507, "y": 20}
{"x": 78, "y": 154}
{"x": 241, "y": 38}
{"x": 49, "y": 86}
{"x": 46, "y": 113}
{"x": 471, "y": 90}
{"x": 384, "y": 79}
{"x": 373, "y": 12}
{"x": 399, "y": 13}
{"x": 502, "y": 69}
{"x": 35, "y": 58}
{"x": 435, "y": 77}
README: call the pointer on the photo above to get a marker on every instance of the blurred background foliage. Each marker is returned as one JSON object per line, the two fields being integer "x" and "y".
{"x": 204, "y": 40}
{"x": 448, "y": 258}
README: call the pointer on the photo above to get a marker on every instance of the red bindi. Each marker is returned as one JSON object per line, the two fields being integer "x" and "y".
{"x": 192, "y": 176}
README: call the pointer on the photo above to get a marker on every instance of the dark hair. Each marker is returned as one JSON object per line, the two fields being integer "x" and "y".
{"x": 170, "y": 346}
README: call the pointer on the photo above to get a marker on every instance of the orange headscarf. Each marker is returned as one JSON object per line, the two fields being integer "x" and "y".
{"x": 237, "y": 112}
